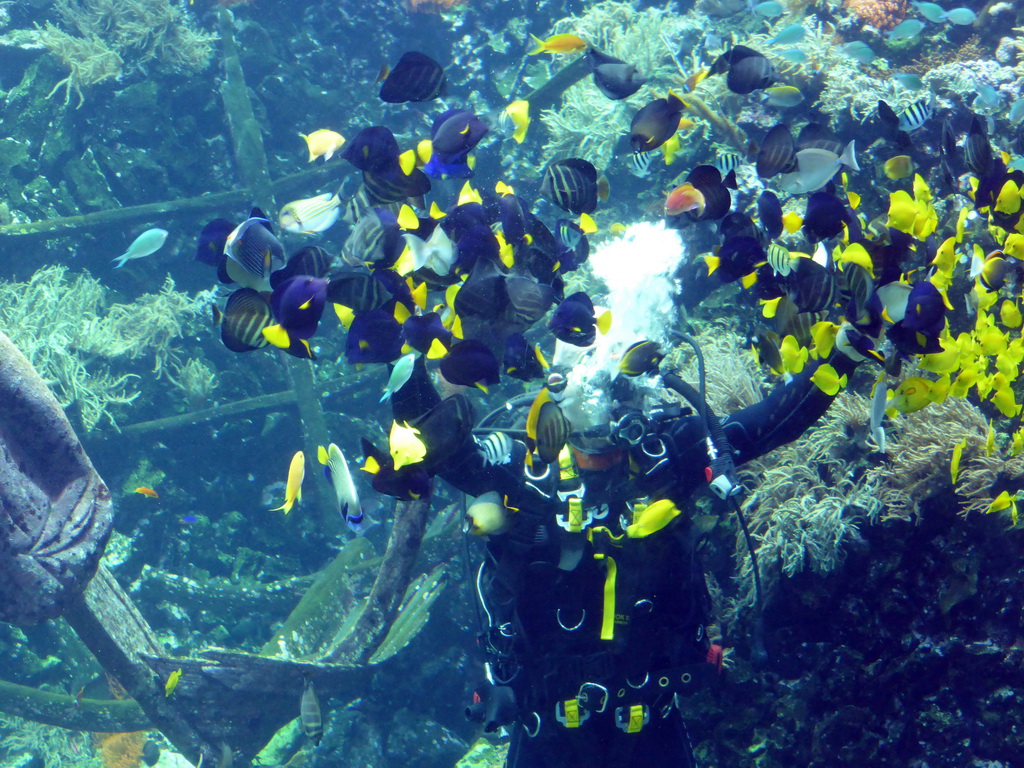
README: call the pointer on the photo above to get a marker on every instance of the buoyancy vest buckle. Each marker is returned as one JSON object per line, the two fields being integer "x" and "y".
{"x": 632, "y": 719}
{"x": 575, "y": 518}
{"x": 570, "y": 714}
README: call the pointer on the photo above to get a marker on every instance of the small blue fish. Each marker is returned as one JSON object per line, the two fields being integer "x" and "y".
{"x": 1016, "y": 113}
{"x": 858, "y": 50}
{"x": 906, "y": 30}
{"x": 988, "y": 99}
{"x": 961, "y": 16}
{"x": 400, "y": 375}
{"x": 795, "y": 55}
{"x": 909, "y": 81}
{"x": 931, "y": 11}
{"x": 770, "y": 9}
{"x": 794, "y": 33}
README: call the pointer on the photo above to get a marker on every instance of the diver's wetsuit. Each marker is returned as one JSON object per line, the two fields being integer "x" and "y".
{"x": 545, "y": 589}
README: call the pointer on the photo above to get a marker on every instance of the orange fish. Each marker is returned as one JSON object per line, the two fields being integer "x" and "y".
{"x": 683, "y": 198}
{"x": 147, "y": 492}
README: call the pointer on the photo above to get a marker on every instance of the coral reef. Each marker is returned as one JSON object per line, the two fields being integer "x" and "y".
{"x": 195, "y": 381}
{"x": 100, "y": 39}
{"x": 733, "y": 378}
{"x": 58, "y": 321}
{"x": 921, "y": 448}
{"x": 587, "y": 124}
{"x": 61, "y": 748}
{"x": 883, "y": 15}
{"x": 120, "y": 750}
{"x": 805, "y": 503}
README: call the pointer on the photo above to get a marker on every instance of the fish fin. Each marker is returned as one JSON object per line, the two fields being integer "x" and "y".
{"x": 277, "y": 336}
{"x": 407, "y": 161}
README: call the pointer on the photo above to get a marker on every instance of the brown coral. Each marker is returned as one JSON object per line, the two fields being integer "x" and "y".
{"x": 883, "y": 15}
{"x": 120, "y": 750}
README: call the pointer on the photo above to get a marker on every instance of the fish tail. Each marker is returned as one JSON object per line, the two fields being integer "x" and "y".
{"x": 540, "y": 46}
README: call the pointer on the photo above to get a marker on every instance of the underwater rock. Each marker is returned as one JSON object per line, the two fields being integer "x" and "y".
{"x": 134, "y": 174}
{"x": 434, "y": 745}
{"x": 55, "y": 511}
{"x": 89, "y": 185}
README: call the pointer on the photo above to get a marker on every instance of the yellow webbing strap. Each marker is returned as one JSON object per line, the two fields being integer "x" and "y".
{"x": 566, "y": 466}
{"x": 572, "y": 713}
{"x": 636, "y": 718}
{"x": 575, "y": 514}
{"x": 608, "y": 615}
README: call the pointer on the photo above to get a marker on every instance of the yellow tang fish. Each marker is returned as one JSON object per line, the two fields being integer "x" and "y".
{"x": 172, "y": 682}
{"x": 954, "y": 465}
{"x": 293, "y": 488}
{"x": 406, "y": 447}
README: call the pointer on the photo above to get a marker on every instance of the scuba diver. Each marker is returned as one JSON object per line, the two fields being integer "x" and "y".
{"x": 593, "y": 598}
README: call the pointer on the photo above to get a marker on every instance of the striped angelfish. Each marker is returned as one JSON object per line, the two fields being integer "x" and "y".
{"x": 779, "y": 259}
{"x": 640, "y": 164}
{"x": 916, "y": 115}
{"x": 728, "y": 161}
{"x": 495, "y": 448}
{"x": 309, "y": 714}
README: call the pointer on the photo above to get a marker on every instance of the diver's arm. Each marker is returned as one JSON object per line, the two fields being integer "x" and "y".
{"x": 787, "y": 412}
{"x": 753, "y": 431}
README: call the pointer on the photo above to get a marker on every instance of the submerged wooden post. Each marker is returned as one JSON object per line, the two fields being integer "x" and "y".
{"x": 246, "y": 136}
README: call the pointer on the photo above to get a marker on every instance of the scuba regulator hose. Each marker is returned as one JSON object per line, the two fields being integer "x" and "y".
{"x": 722, "y": 480}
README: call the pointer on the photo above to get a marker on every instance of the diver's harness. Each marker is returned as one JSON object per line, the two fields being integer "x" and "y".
{"x": 630, "y": 702}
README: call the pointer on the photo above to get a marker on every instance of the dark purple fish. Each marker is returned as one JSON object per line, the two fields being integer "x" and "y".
{"x": 420, "y": 332}
{"x": 573, "y": 321}
{"x": 471, "y": 363}
{"x": 655, "y": 123}
{"x": 373, "y": 337}
{"x": 416, "y": 77}
{"x": 373, "y": 149}
{"x": 298, "y": 304}
{"x": 210, "y": 248}
{"x": 522, "y": 359}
